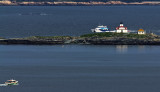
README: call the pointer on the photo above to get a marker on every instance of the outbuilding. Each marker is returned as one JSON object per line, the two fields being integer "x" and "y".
{"x": 141, "y": 31}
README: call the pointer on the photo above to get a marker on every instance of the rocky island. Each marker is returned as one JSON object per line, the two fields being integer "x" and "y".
{"x": 88, "y": 39}
{"x": 100, "y": 36}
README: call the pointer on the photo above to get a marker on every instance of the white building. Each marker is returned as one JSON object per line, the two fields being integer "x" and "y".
{"x": 141, "y": 31}
{"x": 121, "y": 29}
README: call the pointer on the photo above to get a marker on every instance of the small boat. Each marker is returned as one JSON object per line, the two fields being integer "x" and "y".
{"x": 100, "y": 29}
{"x": 11, "y": 82}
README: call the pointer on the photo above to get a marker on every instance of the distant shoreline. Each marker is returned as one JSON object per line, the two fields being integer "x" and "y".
{"x": 109, "y": 3}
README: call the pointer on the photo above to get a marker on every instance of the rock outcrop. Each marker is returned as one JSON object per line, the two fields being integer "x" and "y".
{"x": 81, "y": 40}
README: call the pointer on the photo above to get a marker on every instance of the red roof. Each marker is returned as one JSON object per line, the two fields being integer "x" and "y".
{"x": 121, "y": 27}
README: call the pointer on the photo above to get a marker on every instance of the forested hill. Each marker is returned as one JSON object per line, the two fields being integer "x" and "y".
{"x": 83, "y": 0}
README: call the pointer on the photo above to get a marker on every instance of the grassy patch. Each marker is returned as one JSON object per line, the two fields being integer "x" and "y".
{"x": 104, "y": 35}
{"x": 138, "y": 36}
{"x": 131, "y": 35}
{"x": 2, "y": 38}
{"x": 49, "y": 37}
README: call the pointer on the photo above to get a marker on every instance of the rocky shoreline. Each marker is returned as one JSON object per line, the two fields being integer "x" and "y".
{"x": 10, "y": 3}
{"x": 92, "y": 40}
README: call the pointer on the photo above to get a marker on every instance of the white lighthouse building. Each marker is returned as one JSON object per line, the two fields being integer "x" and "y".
{"x": 121, "y": 29}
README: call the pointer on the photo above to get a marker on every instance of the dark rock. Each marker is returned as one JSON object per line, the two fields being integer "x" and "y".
{"x": 30, "y": 42}
{"x": 79, "y": 40}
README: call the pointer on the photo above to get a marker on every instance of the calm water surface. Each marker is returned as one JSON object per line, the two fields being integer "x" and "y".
{"x": 24, "y": 21}
{"x": 81, "y": 68}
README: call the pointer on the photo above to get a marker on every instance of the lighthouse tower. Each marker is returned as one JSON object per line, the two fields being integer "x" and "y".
{"x": 121, "y": 24}
{"x": 121, "y": 28}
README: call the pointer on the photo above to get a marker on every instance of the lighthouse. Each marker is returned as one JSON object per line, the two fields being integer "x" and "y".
{"x": 121, "y": 28}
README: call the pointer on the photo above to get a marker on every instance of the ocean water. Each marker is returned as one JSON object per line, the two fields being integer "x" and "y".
{"x": 78, "y": 68}
{"x": 24, "y": 21}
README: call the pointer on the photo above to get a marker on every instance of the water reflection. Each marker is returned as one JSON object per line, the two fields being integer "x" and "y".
{"x": 125, "y": 48}
{"x": 122, "y": 48}
{"x": 141, "y": 47}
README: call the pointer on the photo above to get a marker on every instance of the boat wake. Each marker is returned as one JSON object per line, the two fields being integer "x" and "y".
{"x": 3, "y": 85}
{"x": 33, "y": 13}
